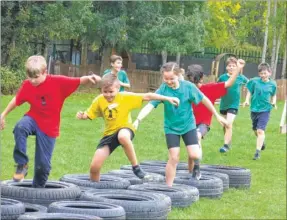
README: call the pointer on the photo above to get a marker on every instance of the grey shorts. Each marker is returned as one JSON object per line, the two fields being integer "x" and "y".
{"x": 203, "y": 129}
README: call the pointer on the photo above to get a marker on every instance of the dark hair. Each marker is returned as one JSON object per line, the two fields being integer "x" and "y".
{"x": 114, "y": 58}
{"x": 109, "y": 80}
{"x": 171, "y": 66}
{"x": 264, "y": 66}
{"x": 231, "y": 60}
{"x": 194, "y": 73}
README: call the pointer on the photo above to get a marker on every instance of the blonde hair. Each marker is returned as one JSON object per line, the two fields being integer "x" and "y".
{"x": 171, "y": 66}
{"x": 231, "y": 60}
{"x": 35, "y": 65}
{"x": 109, "y": 80}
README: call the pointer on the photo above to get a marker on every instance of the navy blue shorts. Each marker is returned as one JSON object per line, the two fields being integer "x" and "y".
{"x": 259, "y": 120}
{"x": 230, "y": 110}
{"x": 189, "y": 138}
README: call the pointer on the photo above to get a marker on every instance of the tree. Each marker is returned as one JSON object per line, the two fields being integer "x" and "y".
{"x": 266, "y": 32}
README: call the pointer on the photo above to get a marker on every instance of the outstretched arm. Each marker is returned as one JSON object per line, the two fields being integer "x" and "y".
{"x": 211, "y": 108}
{"x": 91, "y": 78}
{"x": 9, "y": 108}
{"x": 153, "y": 96}
{"x": 143, "y": 113}
{"x": 127, "y": 85}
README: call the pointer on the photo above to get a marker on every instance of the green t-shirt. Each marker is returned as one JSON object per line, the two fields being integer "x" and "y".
{"x": 122, "y": 76}
{"x": 261, "y": 93}
{"x": 232, "y": 97}
{"x": 179, "y": 120}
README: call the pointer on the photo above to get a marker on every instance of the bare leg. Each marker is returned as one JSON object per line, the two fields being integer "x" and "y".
{"x": 170, "y": 170}
{"x": 100, "y": 156}
{"x": 124, "y": 137}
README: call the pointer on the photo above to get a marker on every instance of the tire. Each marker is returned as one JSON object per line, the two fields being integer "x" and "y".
{"x": 57, "y": 216}
{"x": 11, "y": 209}
{"x": 54, "y": 191}
{"x": 33, "y": 208}
{"x": 180, "y": 195}
{"x": 149, "y": 169}
{"x": 224, "y": 177}
{"x": 160, "y": 163}
{"x": 134, "y": 180}
{"x": 106, "y": 182}
{"x": 151, "y": 177}
{"x": 208, "y": 186}
{"x": 100, "y": 209}
{"x": 137, "y": 205}
{"x": 238, "y": 177}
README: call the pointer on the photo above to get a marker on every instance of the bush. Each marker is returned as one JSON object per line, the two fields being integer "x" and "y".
{"x": 10, "y": 80}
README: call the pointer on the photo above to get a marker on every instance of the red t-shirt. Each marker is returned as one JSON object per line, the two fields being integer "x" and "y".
{"x": 46, "y": 100}
{"x": 212, "y": 91}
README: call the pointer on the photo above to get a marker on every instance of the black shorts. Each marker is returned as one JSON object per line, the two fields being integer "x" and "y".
{"x": 233, "y": 111}
{"x": 189, "y": 138}
{"x": 203, "y": 129}
{"x": 112, "y": 140}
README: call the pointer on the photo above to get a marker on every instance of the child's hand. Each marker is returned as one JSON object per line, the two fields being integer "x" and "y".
{"x": 222, "y": 121}
{"x": 174, "y": 101}
{"x": 2, "y": 122}
{"x": 245, "y": 104}
{"x": 94, "y": 78}
{"x": 81, "y": 115}
{"x": 136, "y": 124}
{"x": 274, "y": 105}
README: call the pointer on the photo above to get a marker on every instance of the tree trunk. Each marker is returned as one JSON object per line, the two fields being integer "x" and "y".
{"x": 276, "y": 56}
{"x": 284, "y": 75}
{"x": 274, "y": 38}
{"x": 105, "y": 61}
{"x": 164, "y": 56}
{"x": 178, "y": 58}
{"x": 266, "y": 32}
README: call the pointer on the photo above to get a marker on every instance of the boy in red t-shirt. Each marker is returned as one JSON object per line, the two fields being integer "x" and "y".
{"x": 46, "y": 95}
{"x": 212, "y": 91}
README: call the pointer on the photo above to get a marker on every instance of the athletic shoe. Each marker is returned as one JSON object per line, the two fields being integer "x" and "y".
{"x": 21, "y": 172}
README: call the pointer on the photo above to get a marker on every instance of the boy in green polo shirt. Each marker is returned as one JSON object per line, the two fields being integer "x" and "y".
{"x": 116, "y": 65}
{"x": 262, "y": 91}
{"x": 229, "y": 103}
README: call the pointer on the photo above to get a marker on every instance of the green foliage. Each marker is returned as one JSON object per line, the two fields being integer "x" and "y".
{"x": 10, "y": 80}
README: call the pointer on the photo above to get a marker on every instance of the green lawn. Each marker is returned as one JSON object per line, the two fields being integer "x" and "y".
{"x": 266, "y": 199}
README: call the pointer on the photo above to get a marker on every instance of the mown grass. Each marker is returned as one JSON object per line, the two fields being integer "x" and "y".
{"x": 266, "y": 199}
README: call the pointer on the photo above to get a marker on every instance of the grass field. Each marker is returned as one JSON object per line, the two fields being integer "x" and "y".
{"x": 266, "y": 199}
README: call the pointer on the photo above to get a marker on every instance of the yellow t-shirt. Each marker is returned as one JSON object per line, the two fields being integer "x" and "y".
{"x": 116, "y": 114}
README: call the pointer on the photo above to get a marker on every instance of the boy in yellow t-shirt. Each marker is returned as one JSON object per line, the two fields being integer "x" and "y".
{"x": 114, "y": 107}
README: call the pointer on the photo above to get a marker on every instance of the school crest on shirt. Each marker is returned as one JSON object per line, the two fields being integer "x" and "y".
{"x": 111, "y": 111}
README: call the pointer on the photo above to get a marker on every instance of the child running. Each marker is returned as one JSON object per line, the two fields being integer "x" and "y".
{"x": 114, "y": 107}
{"x": 179, "y": 121}
{"x": 46, "y": 95}
{"x": 212, "y": 91}
{"x": 262, "y": 91}
{"x": 229, "y": 103}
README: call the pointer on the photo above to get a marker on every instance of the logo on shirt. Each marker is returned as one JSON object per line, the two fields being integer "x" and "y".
{"x": 111, "y": 111}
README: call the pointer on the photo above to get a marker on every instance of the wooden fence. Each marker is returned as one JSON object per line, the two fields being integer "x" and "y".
{"x": 146, "y": 80}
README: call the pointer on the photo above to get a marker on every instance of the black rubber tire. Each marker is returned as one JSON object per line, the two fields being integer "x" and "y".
{"x": 180, "y": 195}
{"x": 161, "y": 163}
{"x": 224, "y": 177}
{"x": 100, "y": 209}
{"x": 208, "y": 186}
{"x": 150, "y": 177}
{"x": 33, "y": 208}
{"x": 11, "y": 209}
{"x": 148, "y": 169}
{"x": 238, "y": 177}
{"x": 134, "y": 180}
{"x": 106, "y": 182}
{"x": 54, "y": 191}
{"x": 57, "y": 216}
{"x": 137, "y": 205}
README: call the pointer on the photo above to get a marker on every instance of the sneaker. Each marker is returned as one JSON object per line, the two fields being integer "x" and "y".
{"x": 139, "y": 172}
{"x": 256, "y": 156}
{"x": 224, "y": 149}
{"x": 263, "y": 146}
{"x": 196, "y": 172}
{"x": 21, "y": 172}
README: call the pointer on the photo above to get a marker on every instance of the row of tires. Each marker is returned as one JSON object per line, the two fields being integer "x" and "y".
{"x": 120, "y": 187}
